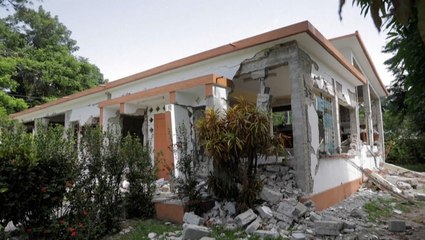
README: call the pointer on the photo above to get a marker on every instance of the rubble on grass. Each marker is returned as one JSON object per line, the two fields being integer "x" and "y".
{"x": 279, "y": 213}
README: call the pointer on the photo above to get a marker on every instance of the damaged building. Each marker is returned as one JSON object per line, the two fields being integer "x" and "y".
{"x": 326, "y": 93}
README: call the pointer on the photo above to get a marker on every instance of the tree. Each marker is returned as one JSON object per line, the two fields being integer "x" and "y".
{"x": 37, "y": 61}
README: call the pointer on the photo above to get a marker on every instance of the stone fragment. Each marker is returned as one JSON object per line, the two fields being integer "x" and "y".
{"x": 403, "y": 185}
{"x": 152, "y": 235}
{"x": 358, "y": 213}
{"x": 272, "y": 234}
{"x": 265, "y": 212}
{"x": 396, "y": 225}
{"x": 230, "y": 208}
{"x": 207, "y": 238}
{"x": 252, "y": 227}
{"x": 420, "y": 196}
{"x": 192, "y": 218}
{"x": 282, "y": 225}
{"x": 191, "y": 231}
{"x": 286, "y": 208}
{"x": 283, "y": 217}
{"x": 272, "y": 168}
{"x": 349, "y": 225}
{"x": 270, "y": 195}
{"x": 315, "y": 217}
{"x": 298, "y": 236}
{"x": 300, "y": 210}
{"x": 245, "y": 218}
{"x": 329, "y": 228}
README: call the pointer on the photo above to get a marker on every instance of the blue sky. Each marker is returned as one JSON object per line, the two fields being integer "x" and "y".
{"x": 123, "y": 37}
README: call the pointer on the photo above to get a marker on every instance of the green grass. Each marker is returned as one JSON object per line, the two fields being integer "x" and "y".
{"x": 382, "y": 208}
{"x": 143, "y": 227}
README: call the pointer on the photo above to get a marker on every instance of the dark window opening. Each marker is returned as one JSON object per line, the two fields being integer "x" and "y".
{"x": 132, "y": 125}
{"x": 345, "y": 128}
{"x": 282, "y": 123}
{"x": 29, "y": 127}
{"x": 326, "y": 127}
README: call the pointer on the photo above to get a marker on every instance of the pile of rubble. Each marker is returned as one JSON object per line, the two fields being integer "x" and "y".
{"x": 281, "y": 214}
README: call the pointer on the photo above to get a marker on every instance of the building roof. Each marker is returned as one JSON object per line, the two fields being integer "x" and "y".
{"x": 291, "y": 30}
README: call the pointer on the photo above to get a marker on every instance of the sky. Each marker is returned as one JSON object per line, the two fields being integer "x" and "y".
{"x": 124, "y": 37}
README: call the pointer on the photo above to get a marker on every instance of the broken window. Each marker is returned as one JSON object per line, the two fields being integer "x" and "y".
{"x": 326, "y": 126}
{"x": 345, "y": 128}
{"x": 282, "y": 123}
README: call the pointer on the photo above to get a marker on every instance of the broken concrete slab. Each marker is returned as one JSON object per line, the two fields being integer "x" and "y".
{"x": 192, "y": 218}
{"x": 265, "y": 212}
{"x": 298, "y": 236}
{"x": 245, "y": 218}
{"x": 403, "y": 185}
{"x": 191, "y": 231}
{"x": 270, "y": 195}
{"x": 300, "y": 210}
{"x": 272, "y": 234}
{"x": 315, "y": 217}
{"x": 396, "y": 225}
{"x": 420, "y": 196}
{"x": 286, "y": 208}
{"x": 283, "y": 217}
{"x": 252, "y": 227}
{"x": 328, "y": 228}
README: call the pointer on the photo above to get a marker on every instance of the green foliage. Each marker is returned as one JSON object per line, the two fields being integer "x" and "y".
{"x": 186, "y": 182}
{"x": 58, "y": 190}
{"x": 34, "y": 171}
{"x": 37, "y": 62}
{"x": 235, "y": 139}
{"x": 144, "y": 227}
{"x": 140, "y": 175}
{"x": 382, "y": 208}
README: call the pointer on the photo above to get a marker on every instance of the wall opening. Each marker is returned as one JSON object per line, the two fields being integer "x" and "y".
{"x": 56, "y": 120}
{"x": 282, "y": 123}
{"x": 132, "y": 125}
{"x": 345, "y": 128}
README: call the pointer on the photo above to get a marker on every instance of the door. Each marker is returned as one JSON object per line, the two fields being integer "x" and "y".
{"x": 162, "y": 145}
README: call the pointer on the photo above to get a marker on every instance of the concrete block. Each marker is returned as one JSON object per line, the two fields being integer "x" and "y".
{"x": 396, "y": 226}
{"x": 315, "y": 217}
{"x": 270, "y": 195}
{"x": 272, "y": 168}
{"x": 192, "y": 218}
{"x": 265, "y": 212}
{"x": 252, "y": 227}
{"x": 349, "y": 225}
{"x": 283, "y": 217}
{"x": 286, "y": 208}
{"x": 191, "y": 231}
{"x": 298, "y": 236}
{"x": 420, "y": 196}
{"x": 245, "y": 218}
{"x": 404, "y": 186}
{"x": 300, "y": 210}
{"x": 207, "y": 238}
{"x": 230, "y": 208}
{"x": 330, "y": 228}
{"x": 272, "y": 234}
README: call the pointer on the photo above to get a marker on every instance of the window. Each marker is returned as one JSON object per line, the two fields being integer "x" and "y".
{"x": 282, "y": 123}
{"x": 326, "y": 126}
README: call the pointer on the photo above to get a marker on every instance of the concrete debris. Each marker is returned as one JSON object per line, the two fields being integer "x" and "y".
{"x": 191, "y": 231}
{"x": 192, "y": 218}
{"x": 253, "y": 226}
{"x": 328, "y": 228}
{"x": 152, "y": 235}
{"x": 298, "y": 236}
{"x": 270, "y": 195}
{"x": 245, "y": 218}
{"x": 420, "y": 196}
{"x": 281, "y": 214}
{"x": 396, "y": 225}
{"x": 265, "y": 212}
{"x": 270, "y": 234}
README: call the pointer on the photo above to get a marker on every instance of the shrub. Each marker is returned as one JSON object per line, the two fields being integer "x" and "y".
{"x": 186, "y": 182}
{"x": 141, "y": 177}
{"x": 235, "y": 139}
{"x": 34, "y": 171}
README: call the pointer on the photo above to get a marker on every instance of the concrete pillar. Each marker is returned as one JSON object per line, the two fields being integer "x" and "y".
{"x": 336, "y": 117}
{"x": 368, "y": 114}
{"x": 216, "y": 97}
{"x": 299, "y": 67}
{"x": 378, "y": 112}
